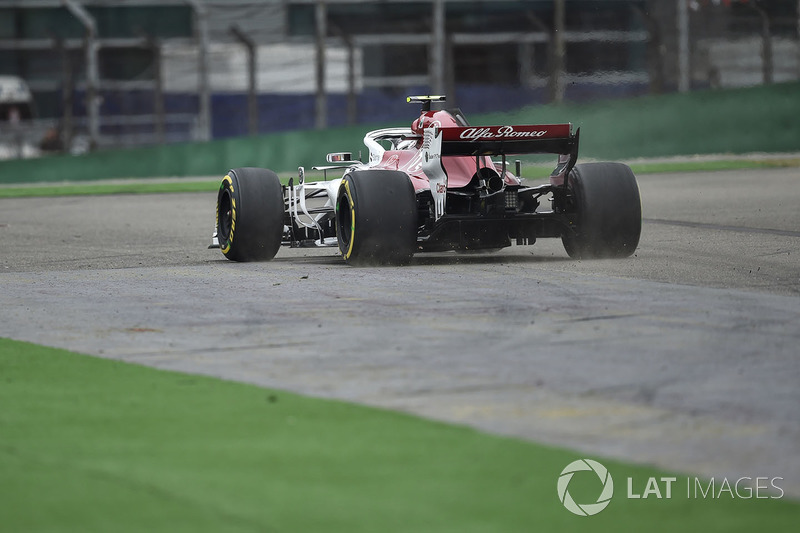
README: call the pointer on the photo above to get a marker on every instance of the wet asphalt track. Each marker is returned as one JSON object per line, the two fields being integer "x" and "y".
{"x": 685, "y": 356}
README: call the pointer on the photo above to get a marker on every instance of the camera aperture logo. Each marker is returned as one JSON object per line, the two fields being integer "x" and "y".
{"x": 585, "y": 509}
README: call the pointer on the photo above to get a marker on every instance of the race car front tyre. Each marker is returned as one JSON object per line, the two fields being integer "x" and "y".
{"x": 376, "y": 217}
{"x": 250, "y": 214}
{"x": 605, "y": 198}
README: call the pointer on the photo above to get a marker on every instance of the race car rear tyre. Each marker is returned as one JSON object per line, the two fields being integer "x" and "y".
{"x": 250, "y": 214}
{"x": 376, "y": 217}
{"x": 606, "y": 199}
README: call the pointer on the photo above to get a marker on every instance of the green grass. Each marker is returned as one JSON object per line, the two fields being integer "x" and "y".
{"x": 535, "y": 171}
{"x": 89, "y": 444}
{"x": 708, "y": 166}
{"x": 76, "y": 189}
{"x": 539, "y": 171}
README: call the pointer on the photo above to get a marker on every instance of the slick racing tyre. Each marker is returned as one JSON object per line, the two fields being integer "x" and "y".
{"x": 376, "y": 217}
{"x": 605, "y": 198}
{"x": 250, "y": 214}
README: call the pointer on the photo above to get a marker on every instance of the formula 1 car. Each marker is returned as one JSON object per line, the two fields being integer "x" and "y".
{"x": 434, "y": 187}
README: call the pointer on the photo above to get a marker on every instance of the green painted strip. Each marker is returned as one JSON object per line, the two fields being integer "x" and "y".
{"x": 533, "y": 172}
{"x": 99, "y": 189}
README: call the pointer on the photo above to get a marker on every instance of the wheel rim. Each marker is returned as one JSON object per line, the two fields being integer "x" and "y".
{"x": 345, "y": 221}
{"x": 225, "y": 213}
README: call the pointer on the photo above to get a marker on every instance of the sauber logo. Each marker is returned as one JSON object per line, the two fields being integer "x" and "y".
{"x": 503, "y": 132}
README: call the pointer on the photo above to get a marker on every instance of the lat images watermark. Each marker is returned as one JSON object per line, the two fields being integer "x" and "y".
{"x": 660, "y": 488}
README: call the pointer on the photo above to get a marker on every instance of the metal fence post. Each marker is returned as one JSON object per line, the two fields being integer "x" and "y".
{"x": 557, "y": 68}
{"x": 321, "y": 103}
{"x": 437, "y": 52}
{"x": 203, "y": 89}
{"x": 766, "y": 45}
{"x": 67, "y": 89}
{"x": 352, "y": 100}
{"x": 158, "y": 91}
{"x": 655, "y": 50}
{"x": 525, "y": 64}
{"x": 252, "y": 102}
{"x": 684, "y": 76}
{"x": 92, "y": 73}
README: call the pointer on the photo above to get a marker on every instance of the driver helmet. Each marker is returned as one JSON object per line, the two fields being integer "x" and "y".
{"x": 427, "y": 119}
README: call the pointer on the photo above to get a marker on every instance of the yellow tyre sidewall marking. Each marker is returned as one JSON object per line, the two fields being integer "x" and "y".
{"x": 229, "y": 241}
{"x": 352, "y": 218}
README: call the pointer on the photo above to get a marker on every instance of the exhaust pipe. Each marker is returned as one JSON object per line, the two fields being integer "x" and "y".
{"x": 489, "y": 180}
{"x": 494, "y": 184}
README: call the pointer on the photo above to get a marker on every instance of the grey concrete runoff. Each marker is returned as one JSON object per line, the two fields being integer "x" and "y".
{"x": 684, "y": 356}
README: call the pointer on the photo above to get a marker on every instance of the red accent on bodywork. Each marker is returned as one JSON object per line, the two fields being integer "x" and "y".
{"x": 460, "y": 169}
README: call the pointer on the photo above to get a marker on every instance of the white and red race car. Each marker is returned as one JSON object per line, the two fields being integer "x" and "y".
{"x": 434, "y": 187}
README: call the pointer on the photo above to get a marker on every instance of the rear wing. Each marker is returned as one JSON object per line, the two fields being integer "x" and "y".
{"x": 509, "y": 140}
{"x": 439, "y": 142}
{"x": 480, "y": 141}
